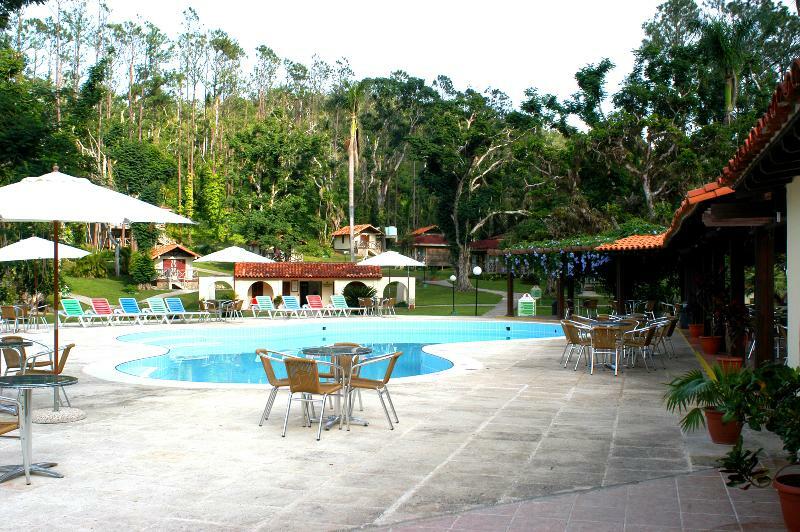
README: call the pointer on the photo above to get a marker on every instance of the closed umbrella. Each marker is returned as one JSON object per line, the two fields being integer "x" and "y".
{"x": 58, "y": 197}
{"x": 393, "y": 259}
{"x": 232, "y": 255}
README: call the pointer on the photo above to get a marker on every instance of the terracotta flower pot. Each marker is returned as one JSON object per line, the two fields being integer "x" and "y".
{"x": 722, "y": 433}
{"x": 788, "y": 486}
{"x": 695, "y": 330}
{"x": 729, "y": 363}
{"x": 710, "y": 344}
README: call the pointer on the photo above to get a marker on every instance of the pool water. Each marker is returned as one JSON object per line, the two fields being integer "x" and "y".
{"x": 219, "y": 355}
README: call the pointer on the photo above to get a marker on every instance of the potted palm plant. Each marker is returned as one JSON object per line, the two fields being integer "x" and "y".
{"x": 711, "y": 396}
{"x": 773, "y": 405}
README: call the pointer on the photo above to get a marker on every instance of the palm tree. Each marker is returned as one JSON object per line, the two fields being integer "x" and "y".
{"x": 354, "y": 95}
{"x": 728, "y": 45}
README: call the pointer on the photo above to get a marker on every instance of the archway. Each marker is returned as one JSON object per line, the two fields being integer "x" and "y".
{"x": 397, "y": 290}
{"x": 355, "y": 289}
{"x": 260, "y": 288}
{"x": 223, "y": 290}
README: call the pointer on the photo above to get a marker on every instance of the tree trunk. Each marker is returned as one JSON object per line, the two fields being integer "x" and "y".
{"x": 351, "y": 173}
{"x": 463, "y": 270}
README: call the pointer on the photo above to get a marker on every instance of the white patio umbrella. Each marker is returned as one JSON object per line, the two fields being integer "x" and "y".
{"x": 38, "y": 248}
{"x": 393, "y": 259}
{"x": 232, "y": 255}
{"x": 57, "y": 198}
{"x": 35, "y": 248}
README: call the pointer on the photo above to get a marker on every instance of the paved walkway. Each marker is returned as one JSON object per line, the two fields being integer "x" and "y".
{"x": 696, "y": 501}
{"x": 506, "y": 425}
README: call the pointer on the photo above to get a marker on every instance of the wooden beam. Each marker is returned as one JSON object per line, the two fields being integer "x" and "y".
{"x": 765, "y": 295}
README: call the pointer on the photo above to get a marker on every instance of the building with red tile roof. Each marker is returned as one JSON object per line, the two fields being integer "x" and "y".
{"x": 429, "y": 245}
{"x": 369, "y": 240}
{"x": 173, "y": 264}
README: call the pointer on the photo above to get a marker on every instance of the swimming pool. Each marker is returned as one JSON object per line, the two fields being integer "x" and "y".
{"x": 222, "y": 355}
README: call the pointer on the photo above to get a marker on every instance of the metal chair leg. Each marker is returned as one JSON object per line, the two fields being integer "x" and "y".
{"x": 268, "y": 408}
{"x": 321, "y": 417}
{"x": 286, "y": 419}
{"x": 385, "y": 411}
{"x": 391, "y": 404}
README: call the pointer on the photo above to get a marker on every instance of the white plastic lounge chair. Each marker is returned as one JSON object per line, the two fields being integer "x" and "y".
{"x": 265, "y": 304}
{"x": 129, "y": 309}
{"x": 175, "y": 304}
{"x": 341, "y": 307}
{"x": 72, "y": 309}
{"x": 291, "y": 304}
{"x": 101, "y": 308}
{"x": 315, "y": 307}
{"x": 158, "y": 308}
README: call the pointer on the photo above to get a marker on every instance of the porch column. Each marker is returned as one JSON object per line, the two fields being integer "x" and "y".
{"x": 560, "y": 297}
{"x": 510, "y": 293}
{"x": 793, "y": 270}
{"x": 765, "y": 295}
{"x": 620, "y": 285}
{"x": 737, "y": 284}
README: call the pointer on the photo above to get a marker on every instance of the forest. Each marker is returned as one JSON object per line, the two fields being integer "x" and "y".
{"x": 265, "y": 155}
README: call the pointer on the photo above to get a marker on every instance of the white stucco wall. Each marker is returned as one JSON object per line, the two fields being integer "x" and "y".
{"x": 793, "y": 269}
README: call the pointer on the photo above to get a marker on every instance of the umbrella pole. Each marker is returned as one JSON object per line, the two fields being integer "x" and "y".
{"x": 408, "y": 287}
{"x": 56, "y": 294}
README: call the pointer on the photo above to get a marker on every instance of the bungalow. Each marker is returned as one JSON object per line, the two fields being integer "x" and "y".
{"x": 429, "y": 245}
{"x": 310, "y": 278}
{"x": 368, "y": 240}
{"x": 480, "y": 254}
{"x": 173, "y": 264}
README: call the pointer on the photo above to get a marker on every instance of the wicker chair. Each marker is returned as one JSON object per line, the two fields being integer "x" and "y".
{"x": 604, "y": 342}
{"x": 590, "y": 306}
{"x": 10, "y": 422}
{"x": 304, "y": 380}
{"x": 62, "y": 361}
{"x": 639, "y": 340}
{"x": 577, "y": 335}
{"x": 267, "y": 358}
{"x": 355, "y": 383}
{"x": 13, "y": 360}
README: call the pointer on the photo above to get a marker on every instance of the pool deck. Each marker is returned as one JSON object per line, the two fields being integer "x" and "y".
{"x": 477, "y": 449}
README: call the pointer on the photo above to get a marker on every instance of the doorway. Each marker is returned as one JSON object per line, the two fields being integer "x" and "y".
{"x": 313, "y": 288}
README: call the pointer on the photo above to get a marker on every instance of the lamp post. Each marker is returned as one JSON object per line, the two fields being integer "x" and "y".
{"x": 476, "y": 271}
{"x": 453, "y": 284}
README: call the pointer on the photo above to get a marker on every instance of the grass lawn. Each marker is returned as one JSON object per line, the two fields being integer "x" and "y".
{"x": 218, "y": 268}
{"x": 111, "y": 288}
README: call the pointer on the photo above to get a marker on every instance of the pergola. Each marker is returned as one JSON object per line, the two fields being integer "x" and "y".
{"x": 750, "y": 213}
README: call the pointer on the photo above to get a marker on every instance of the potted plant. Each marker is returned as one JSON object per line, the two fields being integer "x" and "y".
{"x": 714, "y": 397}
{"x": 735, "y": 319}
{"x": 775, "y": 406}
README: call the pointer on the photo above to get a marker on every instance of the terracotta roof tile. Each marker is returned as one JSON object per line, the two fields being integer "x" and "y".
{"x": 430, "y": 240}
{"x": 634, "y": 243}
{"x": 305, "y": 270}
{"x": 487, "y": 243}
{"x": 358, "y": 228}
{"x": 166, "y": 248}
{"x": 423, "y": 230}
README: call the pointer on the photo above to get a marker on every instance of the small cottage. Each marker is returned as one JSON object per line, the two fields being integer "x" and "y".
{"x": 368, "y": 240}
{"x": 174, "y": 266}
{"x": 429, "y": 245}
{"x": 480, "y": 254}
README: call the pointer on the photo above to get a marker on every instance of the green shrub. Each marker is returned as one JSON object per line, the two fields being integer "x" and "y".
{"x": 142, "y": 269}
{"x": 353, "y": 291}
{"x": 95, "y": 265}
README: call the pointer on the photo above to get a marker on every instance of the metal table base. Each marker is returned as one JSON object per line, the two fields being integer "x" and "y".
{"x": 8, "y": 472}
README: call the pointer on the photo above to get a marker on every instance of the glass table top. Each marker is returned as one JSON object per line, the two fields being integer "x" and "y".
{"x": 36, "y": 381}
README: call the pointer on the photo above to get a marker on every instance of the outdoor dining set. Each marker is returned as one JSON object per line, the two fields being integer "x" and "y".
{"x": 618, "y": 340}
{"x": 315, "y": 375}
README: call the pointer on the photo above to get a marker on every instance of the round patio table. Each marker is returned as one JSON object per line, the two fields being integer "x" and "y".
{"x": 336, "y": 352}
{"x": 26, "y": 383}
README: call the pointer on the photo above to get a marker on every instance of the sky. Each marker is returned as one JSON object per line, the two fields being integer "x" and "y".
{"x": 503, "y": 44}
